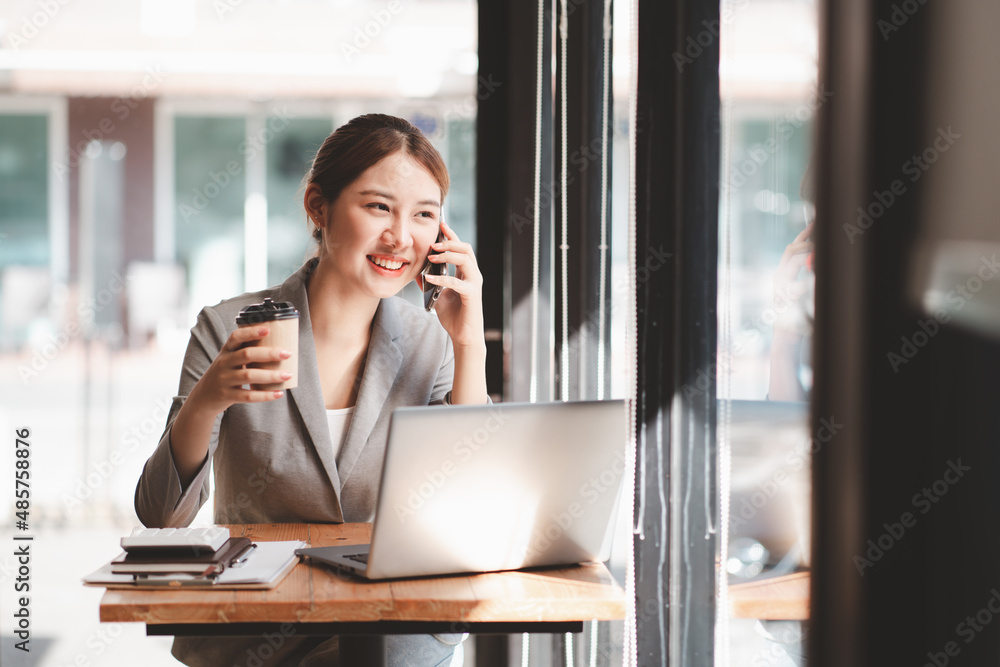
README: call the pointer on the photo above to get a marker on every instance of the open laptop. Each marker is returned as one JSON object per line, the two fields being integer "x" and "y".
{"x": 492, "y": 487}
{"x": 769, "y": 484}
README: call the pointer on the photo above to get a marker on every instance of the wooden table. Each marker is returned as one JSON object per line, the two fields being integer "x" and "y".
{"x": 784, "y": 598}
{"x": 320, "y": 601}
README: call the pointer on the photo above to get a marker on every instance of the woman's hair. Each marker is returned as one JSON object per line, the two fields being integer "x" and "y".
{"x": 360, "y": 143}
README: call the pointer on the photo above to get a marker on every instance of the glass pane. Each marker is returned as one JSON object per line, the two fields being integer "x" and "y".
{"x": 24, "y": 228}
{"x": 24, "y": 207}
{"x": 210, "y": 187}
{"x": 209, "y": 71}
{"x": 460, "y": 157}
{"x": 769, "y": 99}
{"x": 768, "y": 208}
{"x": 289, "y": 155}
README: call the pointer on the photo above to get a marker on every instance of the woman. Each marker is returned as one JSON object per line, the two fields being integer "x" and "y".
{"x": 314, "y": 453}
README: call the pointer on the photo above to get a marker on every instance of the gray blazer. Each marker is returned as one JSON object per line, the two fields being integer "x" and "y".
{"x": 274, "y": 461}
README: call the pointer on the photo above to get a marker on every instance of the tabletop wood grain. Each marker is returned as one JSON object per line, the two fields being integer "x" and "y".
{"x": 783, "y": 598}
{"x": 317, "y": 594}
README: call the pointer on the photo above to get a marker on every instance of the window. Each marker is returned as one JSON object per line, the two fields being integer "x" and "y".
{"x": 24, "y": 189}
{"x": 24, "y": 245}
{"x": 33, "y": 218}
{"x": 769, "y": 99}
{"x": 209, "y": 191}
{"x": 289, "y": 155}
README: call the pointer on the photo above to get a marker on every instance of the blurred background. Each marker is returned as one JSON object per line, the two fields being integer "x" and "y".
{"x": 151, "y": 157}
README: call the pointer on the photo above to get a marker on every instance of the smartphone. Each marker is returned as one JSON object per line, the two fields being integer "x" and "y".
{"x": 809, "y": 218}
{"x": 432, "y": 292}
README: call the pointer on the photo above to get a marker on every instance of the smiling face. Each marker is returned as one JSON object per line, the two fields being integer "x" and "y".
{"x": 377, "y": 233}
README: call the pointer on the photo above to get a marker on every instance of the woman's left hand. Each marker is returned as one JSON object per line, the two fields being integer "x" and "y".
{"x": 460, "y": 306}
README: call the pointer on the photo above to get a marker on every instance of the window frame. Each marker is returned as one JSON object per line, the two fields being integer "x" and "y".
{"x": 56, "y": 111}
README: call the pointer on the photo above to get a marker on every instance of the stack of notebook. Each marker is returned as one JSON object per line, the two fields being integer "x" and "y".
{"x": 156, "y": 557}
{"x": 203, "y": 557}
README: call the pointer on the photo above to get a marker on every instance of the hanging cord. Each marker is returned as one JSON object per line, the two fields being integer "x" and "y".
{"x": 536, "y": 243}
{"x": 724, "y": 418}
{"x": 607, "y": 155}
{"x": 630, "y": 649}
{"x": 593, "y": 643}
{"x": 564, "y": 225}
{"x": 564, "y": 200}
{"x": 536, "y": 250}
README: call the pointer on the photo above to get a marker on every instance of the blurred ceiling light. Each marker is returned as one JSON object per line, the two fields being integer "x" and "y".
{"x": 167, "y": 18}
{"x": 176, "y": 62}
{"x": 419, "y": 83}
{"x": 413, "y": 38}
{"x": 117, "y": 151}
{"x": 771, "y": 202}
{"x": 769, "y": 67}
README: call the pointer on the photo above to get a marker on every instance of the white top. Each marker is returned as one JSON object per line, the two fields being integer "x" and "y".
{"x": 338, "y": 421}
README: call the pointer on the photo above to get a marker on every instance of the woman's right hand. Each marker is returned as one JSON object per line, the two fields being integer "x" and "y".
{"x": 223, "y": 383}
{"x": 787, "y": 284}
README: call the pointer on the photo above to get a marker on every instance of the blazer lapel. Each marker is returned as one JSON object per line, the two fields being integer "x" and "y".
{"x": 381, "y": 367}
{"x": 307, "y": 397}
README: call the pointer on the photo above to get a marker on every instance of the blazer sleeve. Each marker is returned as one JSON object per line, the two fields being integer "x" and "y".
{"x": 441, "y": 391}
{"x": 160, "y": 500}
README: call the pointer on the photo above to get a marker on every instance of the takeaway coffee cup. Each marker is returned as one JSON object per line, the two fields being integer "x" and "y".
{"x": 282, "y": 319}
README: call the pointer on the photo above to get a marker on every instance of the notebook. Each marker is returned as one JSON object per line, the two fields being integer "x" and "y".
{"x": 185, "y": 541}
{"x": 150, "y": 561}
{"x": 263, "y": 568}
{"x": 492, "y": 487}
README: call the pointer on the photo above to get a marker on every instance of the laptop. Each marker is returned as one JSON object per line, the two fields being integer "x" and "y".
{"x": 483, "y": 488}
{"x": 769, "y": 486}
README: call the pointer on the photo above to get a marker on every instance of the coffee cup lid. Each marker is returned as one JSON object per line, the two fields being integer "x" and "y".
{"x": 266, "y": 312}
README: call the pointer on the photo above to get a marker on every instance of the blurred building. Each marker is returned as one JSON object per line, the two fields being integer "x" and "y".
{"x": 162, "y": 144}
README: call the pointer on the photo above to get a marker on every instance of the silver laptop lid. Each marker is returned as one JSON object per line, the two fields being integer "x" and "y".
{"x": 498, "y": 487}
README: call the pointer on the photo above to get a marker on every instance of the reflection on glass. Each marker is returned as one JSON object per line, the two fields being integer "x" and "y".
{"x": 769, "y": 101}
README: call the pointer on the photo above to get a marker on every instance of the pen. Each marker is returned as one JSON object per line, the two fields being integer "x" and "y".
{"x": 241, "y": 559}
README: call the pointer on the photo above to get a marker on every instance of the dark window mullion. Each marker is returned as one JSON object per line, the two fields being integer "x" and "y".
{"x": 676, "y": 180}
